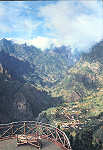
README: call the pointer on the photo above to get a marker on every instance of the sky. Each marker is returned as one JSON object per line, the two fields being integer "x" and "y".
{"x": 78, "y": 24}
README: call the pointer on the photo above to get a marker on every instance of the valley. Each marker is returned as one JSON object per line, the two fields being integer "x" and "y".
{"x": 54, "y": 86}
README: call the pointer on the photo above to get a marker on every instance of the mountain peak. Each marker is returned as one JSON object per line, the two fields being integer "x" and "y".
{"x": 4, "y": 40}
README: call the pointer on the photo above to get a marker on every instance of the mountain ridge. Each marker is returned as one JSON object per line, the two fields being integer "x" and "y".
{"x": 50, "y": 65}
{"x": 68, "y": 96}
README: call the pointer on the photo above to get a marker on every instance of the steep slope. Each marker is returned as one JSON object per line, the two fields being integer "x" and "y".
{"x": 48, "y": 66}
{"x": 81, "y": 115}
{"x": 54, "y": 64}
{"x": 82, "y": 90}
{"x": 21, "y": 51}
{"x": 15, "y": 67}
{"x": 79, "y": 83}
{"x": 19, "y": 100}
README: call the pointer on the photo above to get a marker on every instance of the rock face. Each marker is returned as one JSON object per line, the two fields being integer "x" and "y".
{"x": 1, "y": 68}
{"x": 21, "y": 101}
{"x": 44, "y": 67}
{"x": 15, "y": 67}
{"x": 21, "y": 108}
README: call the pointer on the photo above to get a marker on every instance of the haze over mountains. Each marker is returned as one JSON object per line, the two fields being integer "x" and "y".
{"x": 23, "y": 65}
{"x": 39, "y": 62}
{"x": 56, "y": 76}
{"x": 55, "y": 86}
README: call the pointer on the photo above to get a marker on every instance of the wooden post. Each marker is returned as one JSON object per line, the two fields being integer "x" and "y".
{"x": 17, "y": 138}
{"x": 24, "y": 128}
{"x": 11, "y": 129}
{"x": 64, "y": 141}
{"x": 56, "y": 135}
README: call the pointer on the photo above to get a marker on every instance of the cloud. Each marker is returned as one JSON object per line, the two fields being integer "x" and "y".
{"x": 39, "y": 42}
{"x": 77, "y": 23}
{"x": 16, "y": 20}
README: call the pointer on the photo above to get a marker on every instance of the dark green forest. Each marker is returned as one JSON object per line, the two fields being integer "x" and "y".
{"x": 55, "y": 86}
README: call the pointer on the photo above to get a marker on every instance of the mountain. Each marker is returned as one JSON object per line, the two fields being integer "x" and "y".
{"x": 55, "y": 62}
{"x": 21, "y": 51}
{"x": 15, "y": 67}
{"x": 55, "y": 86}
{"x": 83, "y": 83}
{"x": 50, "y": 65}
{"x": 25, "y": 72}
{"x": 81, "y": 114}
{"x": 74, "y": 77}
{"x": 20, "y": 100}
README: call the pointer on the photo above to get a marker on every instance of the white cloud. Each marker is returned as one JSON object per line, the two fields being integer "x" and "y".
{"x": 16, "y": 18}
{"x": 77, "y": 23}
{"x": 39, "y": 42}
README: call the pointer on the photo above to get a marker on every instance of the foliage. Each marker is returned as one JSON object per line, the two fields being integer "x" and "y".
{"x": 41, "y": 79}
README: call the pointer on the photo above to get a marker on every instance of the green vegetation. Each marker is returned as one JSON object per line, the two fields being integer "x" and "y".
{"x": 72, "y": 90}
{"x": 22, "y": 101}
{"x": 81, "y": 114}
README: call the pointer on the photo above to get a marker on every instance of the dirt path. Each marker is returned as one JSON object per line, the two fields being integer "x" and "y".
{"x": 11, "y": 145}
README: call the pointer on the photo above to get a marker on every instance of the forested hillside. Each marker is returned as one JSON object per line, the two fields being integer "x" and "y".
{"x": 20, "y": 100}
{"x": 69, "y": 84}
{"x": 81, "y": 115}
{"x": 45, "y": 68}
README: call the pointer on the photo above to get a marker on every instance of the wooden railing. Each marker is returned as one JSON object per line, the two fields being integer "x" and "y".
{"x": 36, "y": 129}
